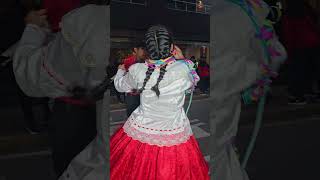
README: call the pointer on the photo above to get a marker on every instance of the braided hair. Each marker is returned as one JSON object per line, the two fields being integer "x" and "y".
{"x": 155, "y": 88}
{"x": 158, "y": 45}
{"x": 158, "y": 42}
{"x": 146, "y": 79}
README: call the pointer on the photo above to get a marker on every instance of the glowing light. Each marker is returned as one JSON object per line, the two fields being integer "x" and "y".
{"x": 200, "y": 4}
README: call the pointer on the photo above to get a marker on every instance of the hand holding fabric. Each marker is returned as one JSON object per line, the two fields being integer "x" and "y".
{"x": 177, "y": 53}
{"x": 38, "y": 18}
{"x": 91, "y": 95}
{"x": 122, "y": 67}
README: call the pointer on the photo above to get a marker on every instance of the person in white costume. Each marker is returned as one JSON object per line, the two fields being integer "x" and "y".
{"x": 236, "y": 56}
{"x": 75, "y": 57}
{"x": 157, "y": 142}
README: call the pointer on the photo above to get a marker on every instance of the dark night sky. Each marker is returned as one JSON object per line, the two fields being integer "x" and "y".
{"x": 11, "y": 23}
{"x": 122, "y": 16}
{"x": 188, "y": 26}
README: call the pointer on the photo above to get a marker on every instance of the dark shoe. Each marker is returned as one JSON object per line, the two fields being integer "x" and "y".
{"x": 297, "y": 101}
{"x": 32, "y": 131}
{"x": 313, "y": 98}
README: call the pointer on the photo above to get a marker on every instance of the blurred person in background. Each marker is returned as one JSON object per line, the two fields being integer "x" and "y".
{"x": 301, "y": 36}
{"x": 238, "y": 56}
{"x": 112, "y": 69}
{"x": 63, "y": 66}
{"x": 203, "y": 70}
{"x": 138, "y": 56}
{"x": 35, "y": 110}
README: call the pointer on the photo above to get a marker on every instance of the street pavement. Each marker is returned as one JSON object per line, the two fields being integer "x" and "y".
{"x": 284, "y": 150}
{"x": 286, "y": 147}
{"x": 33, "y": 166}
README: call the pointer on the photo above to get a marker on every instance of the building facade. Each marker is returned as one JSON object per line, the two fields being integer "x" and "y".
{"x": 188, "y": 20}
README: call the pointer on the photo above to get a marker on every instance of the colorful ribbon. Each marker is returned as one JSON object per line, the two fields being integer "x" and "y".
{"x": 161, "y": 62}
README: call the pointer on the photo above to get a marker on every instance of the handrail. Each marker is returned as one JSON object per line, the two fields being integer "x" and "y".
{"x": 206, "y": 8}
{"x": 187, "y": 5}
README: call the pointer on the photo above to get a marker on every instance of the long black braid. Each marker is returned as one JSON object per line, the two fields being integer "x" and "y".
{"x": 158, "y": 45}
{"x": 146, "y": 79}
{"x": 155, "y": 88}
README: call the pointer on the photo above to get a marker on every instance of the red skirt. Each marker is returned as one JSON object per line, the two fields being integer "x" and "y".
{"x": 133, "y": 160}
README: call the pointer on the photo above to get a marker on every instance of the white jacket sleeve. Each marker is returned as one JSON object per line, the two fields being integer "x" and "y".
{"x": 29, "y": 66}
{"x": 124, "y": 81}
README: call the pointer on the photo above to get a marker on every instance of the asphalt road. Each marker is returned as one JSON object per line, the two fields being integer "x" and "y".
{"x": 284, "y": 150}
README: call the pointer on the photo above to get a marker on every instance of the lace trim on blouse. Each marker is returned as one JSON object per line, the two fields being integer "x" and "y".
{"x": 158, "y": 139}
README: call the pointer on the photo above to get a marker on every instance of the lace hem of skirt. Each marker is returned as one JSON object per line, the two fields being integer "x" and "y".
{"x": 158, "y": 139}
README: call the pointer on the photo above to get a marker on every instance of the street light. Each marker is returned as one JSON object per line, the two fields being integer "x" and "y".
{"x": 200, "y": 4}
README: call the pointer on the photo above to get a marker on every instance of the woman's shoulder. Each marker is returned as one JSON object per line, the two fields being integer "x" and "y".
{"x": 137, "y": 67}
{"x": 182, "y": 66}
{"x": 185, "y": 64}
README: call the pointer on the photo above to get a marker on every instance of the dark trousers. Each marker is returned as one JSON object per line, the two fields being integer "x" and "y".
{"x": 71, "y": 129}
{"x": 204, "y": 84}
{"x": 113, "y": 92}
{"x": 303, "y": 71}
{"x": 35, "y": 110}
{"x": 132, "y": 101}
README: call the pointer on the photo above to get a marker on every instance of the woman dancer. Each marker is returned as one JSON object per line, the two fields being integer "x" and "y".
{"x": 46, "y": 67}
{"x": 156, "y": 142}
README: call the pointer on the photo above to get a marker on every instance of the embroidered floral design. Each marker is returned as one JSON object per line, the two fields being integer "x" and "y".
{"x": 88, "y": 61}
{"x": 266, "y": 34}
{"x": 68, "y": 37}
{"x": 193, "y": 73}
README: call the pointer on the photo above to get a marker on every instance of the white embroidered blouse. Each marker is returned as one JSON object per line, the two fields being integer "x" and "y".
{"x": 161, "y": 120}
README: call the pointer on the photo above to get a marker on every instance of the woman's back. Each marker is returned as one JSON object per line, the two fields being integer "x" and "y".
{"x": 172, "y": 88}
{"x": 163, "y": 114}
